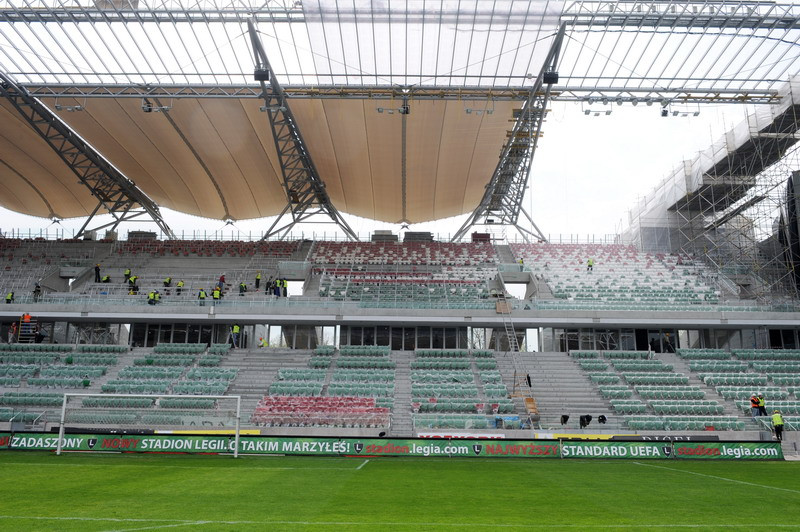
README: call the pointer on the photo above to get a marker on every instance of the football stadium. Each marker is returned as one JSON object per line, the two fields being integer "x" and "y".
{"x": 407, "y": 341}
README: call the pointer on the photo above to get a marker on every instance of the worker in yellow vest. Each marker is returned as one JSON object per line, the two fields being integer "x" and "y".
{"x": 216, "y": 294}
{"x": 201, "y": 295}
{"x": 777, "y": 424}
{"x": 179, "y": 288}
{"x": 235, "y": 335}
{"x": 258, "y": 279}
{"x": 127, "y": 274}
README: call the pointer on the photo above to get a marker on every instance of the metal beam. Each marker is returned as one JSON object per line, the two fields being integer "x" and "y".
{"x": 593, "y": 15}
{"x": 502, "y": 200}
{"x": 114, "y": 191}
{"x": 360, "y": 92}
{"x": 306, "y": 196}
{"x": 593, "y": 92}
{"x": 635, "y": 14}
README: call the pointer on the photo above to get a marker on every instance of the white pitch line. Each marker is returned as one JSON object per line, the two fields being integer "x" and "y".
{"x": 584, "y": 526}
{"x": 158, "y": 466}
{"x": 362, "y": 465}
{"x": 719, "y": 478}
{"x": 158, "y": 527}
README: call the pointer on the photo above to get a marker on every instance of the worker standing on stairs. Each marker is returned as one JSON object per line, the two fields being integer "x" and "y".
{"x": 235, "y": 335}
{"x": 777, "y": 424}
{"x": 9, "y": 298}
{"x": 762, "y": 405}
{"x": 754, "y": 410}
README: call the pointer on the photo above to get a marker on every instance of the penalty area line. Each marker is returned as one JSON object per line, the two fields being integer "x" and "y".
{"x": 718, "y": 478}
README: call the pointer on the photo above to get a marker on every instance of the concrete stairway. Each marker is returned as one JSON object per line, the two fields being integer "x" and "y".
{"x": 560, "y": 387}
{"x": 504, "y": 254}
{"x": 402, "y": 422}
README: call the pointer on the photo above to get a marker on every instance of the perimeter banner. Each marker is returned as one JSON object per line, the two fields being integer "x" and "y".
{"x": 394, "y": 447}
{"x": 728, "y": 450}
{"x": 616, "y": 449}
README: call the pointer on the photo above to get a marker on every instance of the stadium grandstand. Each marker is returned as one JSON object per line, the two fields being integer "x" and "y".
{"x": 302, "y": 113}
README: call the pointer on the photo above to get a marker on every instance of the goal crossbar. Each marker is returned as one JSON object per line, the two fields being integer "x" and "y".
{"x": 68, "y": 396}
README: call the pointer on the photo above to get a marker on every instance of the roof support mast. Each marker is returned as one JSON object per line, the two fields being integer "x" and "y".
{"x": 116, "y": 194}
{"x": 305, "y": 191}
{"x": 502, "y": 202}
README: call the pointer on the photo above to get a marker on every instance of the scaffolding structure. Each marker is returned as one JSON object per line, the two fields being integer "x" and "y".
{"x": 730, "y": 205}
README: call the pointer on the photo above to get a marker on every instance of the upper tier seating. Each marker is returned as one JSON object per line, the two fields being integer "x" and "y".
{"x": 208, "y": 248}
{"x": 621, "y": 275}
{"x": 442, "y": 286}
{"x": 407, "y": 253}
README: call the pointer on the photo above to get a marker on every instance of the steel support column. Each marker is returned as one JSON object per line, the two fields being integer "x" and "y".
{"x": 306, "y": 196}
{"x": 502, "y": 200}
{"x": 116, "y": 194}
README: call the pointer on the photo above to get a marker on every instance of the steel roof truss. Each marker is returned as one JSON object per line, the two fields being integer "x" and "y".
{"x": 502, "y": 201}
{"x": 305, "y": 191}
{"x": 114, "y": 191}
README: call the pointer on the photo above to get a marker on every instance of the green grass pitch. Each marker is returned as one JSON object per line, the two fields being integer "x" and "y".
{"x": 94, "y": 492}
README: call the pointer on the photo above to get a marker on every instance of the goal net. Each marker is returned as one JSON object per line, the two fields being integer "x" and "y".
{"x": 159, "y": 413}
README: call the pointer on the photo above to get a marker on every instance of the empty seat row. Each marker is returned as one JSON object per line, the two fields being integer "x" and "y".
{"x": 371, "y": 389}
{"x": 301, "y": 374}
{"x": 443, "y": 364}
{"x": 736, "y": 379}
{"x": 421, "y": 376}
{"x": 670, "y": 392}
{"x": 200, "y": 388}
{"x": 767, "y": 354}
{"x": 363, "y": 375}
{"x": 212, "y": 374}
{"x": 703, "y": 354}
{"x": 117, "y": 402}
{"x": 147, "y": 372}
{"x": 604, "y": 378}
{"x": 656, "y": 378}
{"x": 744, "y": 392}
{"x": 443, "y": 390}
{"x": 59, "y": 382}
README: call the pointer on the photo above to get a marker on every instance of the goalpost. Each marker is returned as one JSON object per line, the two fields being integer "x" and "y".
{"x": 153, "y": 411}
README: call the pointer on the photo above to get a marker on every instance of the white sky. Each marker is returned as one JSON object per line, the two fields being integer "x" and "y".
{"x": 587, "y": 172}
